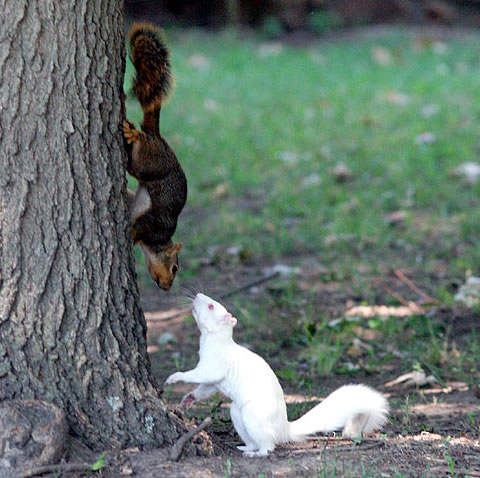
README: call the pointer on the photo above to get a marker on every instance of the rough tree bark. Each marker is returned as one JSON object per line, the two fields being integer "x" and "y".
{"x": 71, "y": 329}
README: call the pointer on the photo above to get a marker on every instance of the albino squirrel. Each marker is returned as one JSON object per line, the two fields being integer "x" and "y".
{"x": 258, "y": 409}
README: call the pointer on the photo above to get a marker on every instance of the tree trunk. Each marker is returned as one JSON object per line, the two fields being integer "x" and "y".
{"x": 71, "y": 329}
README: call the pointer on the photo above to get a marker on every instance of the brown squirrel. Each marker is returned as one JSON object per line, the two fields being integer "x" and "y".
{"x": 162, "y": 186}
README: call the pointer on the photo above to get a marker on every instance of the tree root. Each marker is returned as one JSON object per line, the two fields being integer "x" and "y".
{"x": 176, "y": 450}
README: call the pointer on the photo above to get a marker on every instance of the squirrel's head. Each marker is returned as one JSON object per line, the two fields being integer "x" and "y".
{"x": 211, "y": 316}
{"x": 163, "y": 265}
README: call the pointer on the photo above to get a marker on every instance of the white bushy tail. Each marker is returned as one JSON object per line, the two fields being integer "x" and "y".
{"x": 354, "y": 409}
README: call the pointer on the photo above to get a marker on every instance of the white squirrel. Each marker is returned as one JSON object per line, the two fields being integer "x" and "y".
{"x": 258, "y": 409}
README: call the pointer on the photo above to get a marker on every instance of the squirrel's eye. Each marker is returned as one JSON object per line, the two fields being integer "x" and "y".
{"x": 174, "y": 269}
{"x": 210, "y": 306}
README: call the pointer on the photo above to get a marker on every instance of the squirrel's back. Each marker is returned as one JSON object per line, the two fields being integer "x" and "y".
{"x": 151, "y": 60}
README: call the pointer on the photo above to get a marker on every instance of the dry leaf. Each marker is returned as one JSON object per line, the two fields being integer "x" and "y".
{"x": 368, "y": 311}
{"x": 440, "y": 48}
{"x": 313, "y": 179}
{"x": 426, "y": 138}
{"x": 199, "y": 61}
{"x": 358, "y": 348}
{"x": 367, "y": 334}
{"x": 469, "y": 293}
{"x": 210, "y": 104}
{"x": 270, "y": 49}
{"x": 430, "y": 110}
{"x": 292, "y": 157}
{"x": 126, "y": 470}
{"x": 397, "y": 98}
{"x": 220, "y": 191}
{"x": 412, "y": 379}
{"x": 395, "y": 218}
{"x": 381, "y": 56}
{"x": 282, "y": 270}
{"x": 341, "y": 172}
{"x": 166, "y": 338}
{"x": 468, "y": 171}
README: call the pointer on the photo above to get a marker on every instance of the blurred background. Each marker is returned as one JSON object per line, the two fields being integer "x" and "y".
{"x": 316, "y": 16}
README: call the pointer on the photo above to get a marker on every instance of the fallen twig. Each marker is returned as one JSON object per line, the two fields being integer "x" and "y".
{"x": 355, "y": 441}
{"x": 446, "y": 471}
{"x": 176, "y": 450}
{"x": 339, "y": 446}
{"x": 412, "y": 286}
{"x": 396, "y": 296}
{"x": 363, "y": 443}
{"x": 59, "y": 468}
{"x": 248, "y": 285}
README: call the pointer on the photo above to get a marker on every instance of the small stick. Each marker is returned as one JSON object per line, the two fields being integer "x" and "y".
{"x": 412, "y": 286}
{"x": 440, "y": 469}
{"x": 369, "y": 443}
{"x": 248, "y": 285}
{"x": 396, "y": 296}
{"x": 59, "y": 468}
{"x": 176, "y": 450}
{"x": 357, "y": 442}
{"x": 364, "y": 444}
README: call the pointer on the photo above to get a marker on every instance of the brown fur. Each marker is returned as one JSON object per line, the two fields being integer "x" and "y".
{"x": 151, "y": 160}
{"x": 163, "y": 266}
{"x": 151, "y": 60}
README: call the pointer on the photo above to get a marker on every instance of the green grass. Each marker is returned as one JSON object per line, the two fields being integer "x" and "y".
{"x": 259, "y": 130}
{"x": 236, "y": 114}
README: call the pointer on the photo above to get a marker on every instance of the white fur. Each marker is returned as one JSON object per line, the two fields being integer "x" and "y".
{"x": 140, "y": 203}
{"x": 258, "y": 409}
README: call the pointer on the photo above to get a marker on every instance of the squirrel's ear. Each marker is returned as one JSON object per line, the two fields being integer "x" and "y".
{"x": 230, "y": 318}
{"x": 170, "y": 251}
{"x": 176, "y": 248}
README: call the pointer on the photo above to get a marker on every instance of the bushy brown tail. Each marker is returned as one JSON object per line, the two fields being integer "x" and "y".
{"x": 151, "y": 60}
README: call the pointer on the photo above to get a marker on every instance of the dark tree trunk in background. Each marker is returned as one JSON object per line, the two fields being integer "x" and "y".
{"x": 232, "y": 8}
{"x": 71, "y": 330}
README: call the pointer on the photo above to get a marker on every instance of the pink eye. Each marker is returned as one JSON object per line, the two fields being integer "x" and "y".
{"x": 210, "y": 306}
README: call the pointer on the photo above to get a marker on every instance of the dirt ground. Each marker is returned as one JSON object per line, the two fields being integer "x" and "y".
{"x": 434, "y": 432}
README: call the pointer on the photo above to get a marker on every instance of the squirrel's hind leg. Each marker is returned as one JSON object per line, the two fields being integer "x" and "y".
{"x": 258, "y": 431}
{"x": 237, "y": 420}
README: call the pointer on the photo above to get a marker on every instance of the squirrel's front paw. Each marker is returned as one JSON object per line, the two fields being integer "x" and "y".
{"x": 131, "y": 134}
{"x": 188, "y": 400}
{"x": 174, "y": 378}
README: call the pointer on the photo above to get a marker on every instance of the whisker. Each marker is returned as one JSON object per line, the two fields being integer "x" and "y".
{"x": 180, "y": 298}
{"x": 187, "y": 292}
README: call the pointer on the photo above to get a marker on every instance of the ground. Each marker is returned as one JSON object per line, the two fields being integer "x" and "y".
{"x": 344, "y": 173}
{"x": 335, "y": 163}
{"x": 433, "y": 431}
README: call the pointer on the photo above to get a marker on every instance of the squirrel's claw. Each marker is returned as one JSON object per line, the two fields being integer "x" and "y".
{"x": 187, "y": 400}
{"x": 131, "y": 134}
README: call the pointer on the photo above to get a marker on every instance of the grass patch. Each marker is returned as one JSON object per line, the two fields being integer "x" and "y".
{"x": 260, "y": 128}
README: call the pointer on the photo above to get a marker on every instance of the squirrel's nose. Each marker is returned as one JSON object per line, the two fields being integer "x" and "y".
{"x": 163, "y": 285}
